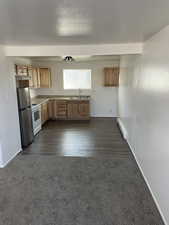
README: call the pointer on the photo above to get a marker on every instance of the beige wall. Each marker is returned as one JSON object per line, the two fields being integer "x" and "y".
{"x": 144, "y": 113}
{"x": 103, "y": 99}
{"x": 10, "y": 143}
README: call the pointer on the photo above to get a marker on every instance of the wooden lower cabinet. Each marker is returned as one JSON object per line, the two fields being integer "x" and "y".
{"x": 65, "y": 110}
{"x": 60, "y": 109}
{"x": 73, "y": 110}
{"x": 51, "y": 109}
{"x": 78, "y": 110}
{"x": 44, "y": 112}
{"x": 84, "y": 110}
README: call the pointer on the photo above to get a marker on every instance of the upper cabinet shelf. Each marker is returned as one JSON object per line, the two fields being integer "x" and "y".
{"x": 40, "y": 77}
{"x": 111, "y": 77}
{"x": 21, "y": 70}
{"x": 45, "y": 77}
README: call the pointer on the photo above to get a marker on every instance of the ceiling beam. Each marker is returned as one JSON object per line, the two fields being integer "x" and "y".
{"x": 62, "y": 50}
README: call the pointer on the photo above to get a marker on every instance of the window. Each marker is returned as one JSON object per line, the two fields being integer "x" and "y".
{"x": 77, "y": 79}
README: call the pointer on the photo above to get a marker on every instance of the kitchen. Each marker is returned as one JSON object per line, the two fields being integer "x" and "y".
{"x": 73, "y": 89}
{"x": 84, "y": 88}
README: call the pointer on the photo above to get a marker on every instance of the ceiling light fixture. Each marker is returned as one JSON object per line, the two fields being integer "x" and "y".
{"x": 68, "y": 59}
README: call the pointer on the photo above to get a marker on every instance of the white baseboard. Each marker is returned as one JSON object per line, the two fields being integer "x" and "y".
{"x": 125, "y": 135}
{"x": 5, "y": 164}
{"x": 103, "y": 115}
{"x": 123, "y": 129}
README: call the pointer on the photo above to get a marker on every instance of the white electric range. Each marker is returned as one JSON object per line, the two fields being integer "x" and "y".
{"x": 36, "y": 118}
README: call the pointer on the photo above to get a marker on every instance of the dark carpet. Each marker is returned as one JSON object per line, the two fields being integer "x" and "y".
{"x": 51, "y": 190}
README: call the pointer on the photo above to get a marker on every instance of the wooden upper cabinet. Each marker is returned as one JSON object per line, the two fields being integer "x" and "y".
{"x": 35, "y": 77}
{"x": 45, "y": 77}
{"x": 111, "y": 77}
{"x": 30, "y": 70}
{"x": 30, "y": 75}
{"x": 39, "y": 77}
{"x": 21, "y": 70}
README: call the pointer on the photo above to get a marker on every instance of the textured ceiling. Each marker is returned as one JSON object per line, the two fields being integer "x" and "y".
{"x": 48, "y": 22}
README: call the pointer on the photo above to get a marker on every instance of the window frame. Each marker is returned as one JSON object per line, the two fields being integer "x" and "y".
{"x": 78, "y": 87}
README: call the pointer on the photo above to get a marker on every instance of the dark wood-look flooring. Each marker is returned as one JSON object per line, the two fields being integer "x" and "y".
{"x": 98, "y": 137}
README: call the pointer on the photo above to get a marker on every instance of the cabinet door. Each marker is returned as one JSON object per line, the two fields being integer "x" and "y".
{"x": 51, "y": 105}
{"x": 60, "y": 109}
{"x": 21, "y": 70}
{"x": 73, "y": 110}
{"x": 30, "y": 74}
{"x": 44, "y": 112}
{"x": 45, "y": 77}
{"x": 111, "y": 77}
{"x": 35, "y": 77}
{"x": 84, "y": 109}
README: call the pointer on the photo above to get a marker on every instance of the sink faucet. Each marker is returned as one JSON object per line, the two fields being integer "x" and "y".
{"x": 79, "y": 92}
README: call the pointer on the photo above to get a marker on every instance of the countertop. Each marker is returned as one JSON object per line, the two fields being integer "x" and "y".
{"x": 43, "y": 98}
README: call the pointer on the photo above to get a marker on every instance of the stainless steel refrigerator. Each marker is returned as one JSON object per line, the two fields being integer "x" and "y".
{"x": 25, "y": 115}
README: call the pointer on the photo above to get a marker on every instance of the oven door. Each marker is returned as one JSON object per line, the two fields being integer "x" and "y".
{"x": 36, "y": 117}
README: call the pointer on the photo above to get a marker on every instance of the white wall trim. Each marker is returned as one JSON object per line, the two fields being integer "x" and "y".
{"x": 125, "y": 135}
{"x": 103, "y": 115}
{"x": 122, "y": 128}
{"x": 148, "y": 185}
{"x": 12, "y": 157}
{"x": 75, "y": 50}
{"x": 0, "y": 155}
